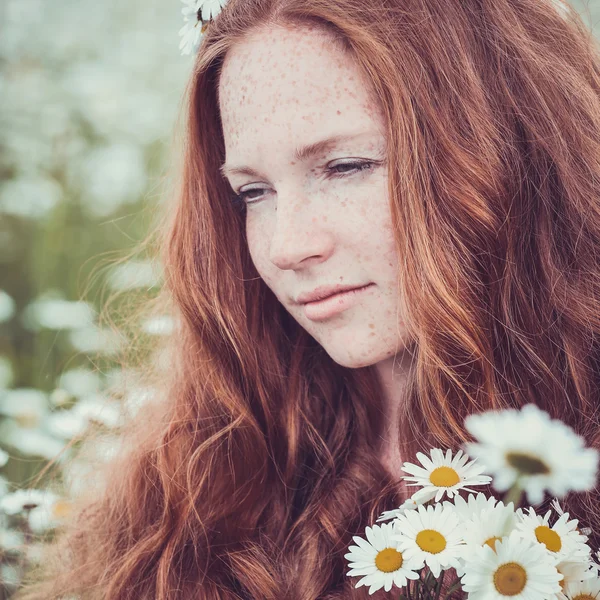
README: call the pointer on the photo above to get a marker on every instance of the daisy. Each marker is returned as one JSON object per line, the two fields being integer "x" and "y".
{"x": 432, "y": 535}
{"x": 588, "y": 589}
{"x": 562, "y": 540}
{"x": 544, "y": 454}
{"x": 380, "y": 560}
{"x": 474, "y": 504}
{"x": 517, "y": 568}
{"x": 443, "y": 475}
{"x": 489, "y": 526}
{"x": 574, "y": 572}
{"x": 409, "y": 504}
{"x": 194, "y": 12}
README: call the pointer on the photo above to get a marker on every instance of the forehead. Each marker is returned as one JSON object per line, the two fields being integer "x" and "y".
{"x": 282, "y": 83}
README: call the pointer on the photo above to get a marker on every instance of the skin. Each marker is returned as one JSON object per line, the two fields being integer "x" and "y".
{"x": 282, "y": 88}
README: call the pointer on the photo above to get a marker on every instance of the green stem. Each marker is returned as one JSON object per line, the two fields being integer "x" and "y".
{"x": 514, "y": 494}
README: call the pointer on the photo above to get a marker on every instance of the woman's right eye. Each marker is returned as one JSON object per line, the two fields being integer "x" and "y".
{"x": 243, "y": 199}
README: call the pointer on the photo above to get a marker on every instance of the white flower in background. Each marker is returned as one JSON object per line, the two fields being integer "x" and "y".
{"x": 53, "y": 312}
{"x": 544, "y": 453}
{"x": 562, "y": 539}
{"x": 162, "y": 325}
{"x": 31, "y": 197}
{"x": 136, "y": 398}
{"x": 134, "y": 274}
{"x": 474, "y": 504}
{"x": 65, "y": 424}
{"x": 11, "y": 540}
{"x": 386, "y": 515}
{"x": 10, "y": 575}
{"x": 430, "y": 534}
{"x": 588, "y": 589}
{"x": 79, "y": 382}
{"x": 4, "y": 456}
{"x": 518, "y": 568}
{"x": 44, "y": 509}
{"x": 110, "y": 177}
{"x": 95, "y": 339}
{"x": 59, "y": 397}
{"x": 27, "y": 406}
{"x": 25, "y": 499}
{"x": 7, "y": 307}
{"x": 32, "y": 442}
{"x": 97, "y": 408}
{"x": 443, "y": 475}
{"x": 49, "y": 515}
{"x": 380, "y": 561}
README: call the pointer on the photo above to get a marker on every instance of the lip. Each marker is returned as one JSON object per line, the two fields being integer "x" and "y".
{"x": 325, "y": 291}
{"x": 320, "y": 310}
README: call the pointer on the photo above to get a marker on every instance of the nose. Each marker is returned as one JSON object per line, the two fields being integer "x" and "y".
{"x": 299, "y": 234}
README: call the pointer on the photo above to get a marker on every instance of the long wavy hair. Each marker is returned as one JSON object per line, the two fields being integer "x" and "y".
{"x": 257, "y": 460}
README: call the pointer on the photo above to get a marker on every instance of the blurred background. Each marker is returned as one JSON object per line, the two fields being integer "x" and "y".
{"x": 89, "y": 93}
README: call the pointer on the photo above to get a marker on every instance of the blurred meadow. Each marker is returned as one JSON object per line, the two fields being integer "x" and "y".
{"x": 89, "y": 93}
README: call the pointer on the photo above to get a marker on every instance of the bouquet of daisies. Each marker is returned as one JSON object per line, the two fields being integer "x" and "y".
{"x": 439, "y": 545}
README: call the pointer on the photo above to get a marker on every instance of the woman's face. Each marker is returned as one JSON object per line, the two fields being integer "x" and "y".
{"x": 321, "y": 219}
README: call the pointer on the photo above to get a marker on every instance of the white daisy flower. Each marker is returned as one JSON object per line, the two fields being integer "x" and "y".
{"x": 379, "y": 560}
{"x": 558, "y": 508}
{"x": 430, "y": 534}
{"x": 409, "y": 504}
{"x": 194, "y": 12}
{"x": 474, "y": 504}
{"x": 589, "y": 589}
{"x": 190, "y": 37}
{"x": 489, "y": 526}
{"x": 562, "y": 539}
{"x": 443, "y": 475}
{"x": 574, "y": 572}
{"x": 518, "y": 568}
{"x": 543, "y": 453}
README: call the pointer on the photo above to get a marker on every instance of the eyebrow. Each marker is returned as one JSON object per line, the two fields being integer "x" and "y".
{"x": 300, "y": 154}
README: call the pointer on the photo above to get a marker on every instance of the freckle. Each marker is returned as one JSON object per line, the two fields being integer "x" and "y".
{"x": 371, "y": 325}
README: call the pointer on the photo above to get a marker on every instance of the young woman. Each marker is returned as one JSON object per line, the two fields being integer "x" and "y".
{"x": 442, "y": 157}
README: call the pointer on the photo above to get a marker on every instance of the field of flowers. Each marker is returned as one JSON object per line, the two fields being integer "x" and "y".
{"x": 90, "y": 91}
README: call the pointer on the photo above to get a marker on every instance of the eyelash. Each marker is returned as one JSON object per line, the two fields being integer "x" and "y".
{"x": 240, "y": 199}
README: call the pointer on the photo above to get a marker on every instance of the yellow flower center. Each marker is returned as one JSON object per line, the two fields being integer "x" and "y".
{"x": 527, "y": 464}
{"x": 510, "y": 579}
{"x": 431, "y": 541}
{"x": 444, "y": 477}
{"x": 61, "y": 509}
{"x": 549, "y": 537}
{"x": 388, "y": 560}
{"x": 584, "y": 597}
{"x": 491, "y": 542}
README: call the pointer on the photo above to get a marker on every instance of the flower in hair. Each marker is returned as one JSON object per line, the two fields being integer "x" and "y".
{"x": 195, "y": 13}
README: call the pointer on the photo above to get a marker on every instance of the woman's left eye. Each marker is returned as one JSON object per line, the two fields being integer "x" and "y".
{"x": 243, "y": 199}
{"x": 355, "y": 166}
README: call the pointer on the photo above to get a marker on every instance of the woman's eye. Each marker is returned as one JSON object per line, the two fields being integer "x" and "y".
{"x": 243, "y": 198}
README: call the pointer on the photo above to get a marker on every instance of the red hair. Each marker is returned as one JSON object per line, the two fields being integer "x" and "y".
{"x": 257, "y": 462}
